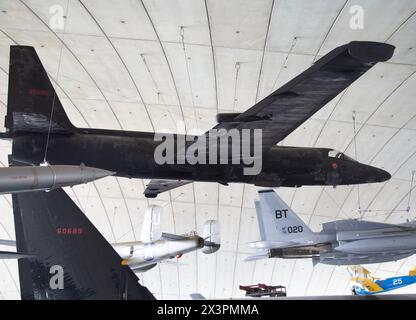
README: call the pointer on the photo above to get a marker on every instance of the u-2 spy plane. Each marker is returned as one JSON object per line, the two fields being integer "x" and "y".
{"x": 157, "y": 246}
{"x": 38, "y": 125}
{"x": 366, "y": 284}
{"x": 341, "y": 242}
{"x": 37, "y": 122}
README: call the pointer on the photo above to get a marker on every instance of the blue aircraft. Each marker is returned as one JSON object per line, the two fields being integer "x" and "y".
{"x": 366, "y": 284}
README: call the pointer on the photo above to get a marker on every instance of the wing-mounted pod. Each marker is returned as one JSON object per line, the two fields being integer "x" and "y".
{"x": 232, "y": 117}
{"x": 151, "y": 229}
{"x": 211, "y": 236}
{"x": 226, "y": 117}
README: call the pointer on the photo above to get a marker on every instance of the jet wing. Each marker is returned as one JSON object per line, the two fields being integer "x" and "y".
{"x": 157, "y": 186}
{"x": 371, "y": 286}
{"x": 285, "y": 109}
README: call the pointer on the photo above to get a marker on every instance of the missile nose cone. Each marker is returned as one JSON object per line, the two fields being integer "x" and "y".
{"x": 91, "y": 173}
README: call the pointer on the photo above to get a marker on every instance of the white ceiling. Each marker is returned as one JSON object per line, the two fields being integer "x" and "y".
{"x": 126, "y": 64}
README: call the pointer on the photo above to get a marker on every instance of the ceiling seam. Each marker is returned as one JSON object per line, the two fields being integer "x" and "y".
{"x": 213, "y": 56}
{"x": 398, "y": 203}
{"x": 216, "y": 256}
{"x": 105, "y": 210}
{"x": 167, "y": 62}
{"x": 174, "y": 231}
{"x": 127, "y": 208}
{"x": 330, "y": 28}
{"x": 363, "y": 124}
{"x": 76, "y": 58}
{"x": 53, "y": 80}
{"x": 196, "y": 227}
{"x": 11, "y": 276}
{"x": 264, "y": 48}
{"x": 238, "y": 238}
{"x": 309, "y": 280}
{"x": 400, "y": 26}
{"x": 122, "y": 62}
{"x": 388, "y": 140}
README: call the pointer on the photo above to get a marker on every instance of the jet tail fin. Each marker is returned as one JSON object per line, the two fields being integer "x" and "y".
{"x": 71, "y": 259}
{"x": 151, "y": 231}
{"x": 277, "y": 221}
{"x": 32, "y": 105}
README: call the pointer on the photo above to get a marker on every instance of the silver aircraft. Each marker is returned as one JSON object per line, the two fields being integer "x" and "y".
{"x": 156, "y": 246}
{"x": 342, "y": 242}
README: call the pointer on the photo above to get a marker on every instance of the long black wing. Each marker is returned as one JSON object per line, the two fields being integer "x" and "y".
{"x": 285, "y": 109}
{"x": 51, "y": 227}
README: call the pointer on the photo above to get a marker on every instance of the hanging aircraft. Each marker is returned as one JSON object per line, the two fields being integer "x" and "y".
{"x": 62, "y": 256}
{"x": 157, "y": 246}
{"x": 342, "y": 242}
{"x": 367, "y": 284}
{"x": 40, "y": 130}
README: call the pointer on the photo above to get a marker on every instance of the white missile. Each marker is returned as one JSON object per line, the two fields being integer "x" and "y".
{"x": 45, "y": 178}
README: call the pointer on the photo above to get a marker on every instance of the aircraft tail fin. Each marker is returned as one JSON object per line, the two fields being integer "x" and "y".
{"x": 71, "y": 259}
{"x": 31, "y": 96}
{"x": 277, "y": 221}
{"x": 151, "y": 228}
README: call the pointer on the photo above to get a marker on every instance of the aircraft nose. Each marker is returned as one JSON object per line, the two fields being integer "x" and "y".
{"x": 382, "y": 175}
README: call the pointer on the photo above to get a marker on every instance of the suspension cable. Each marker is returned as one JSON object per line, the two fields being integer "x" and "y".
{"x": 45, "y": 162}
{"x": 356, "y": 157}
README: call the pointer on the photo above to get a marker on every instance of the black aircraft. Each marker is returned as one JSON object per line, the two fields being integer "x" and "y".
{"x": 63, "y": 256}
{"x": 34, "y": 126}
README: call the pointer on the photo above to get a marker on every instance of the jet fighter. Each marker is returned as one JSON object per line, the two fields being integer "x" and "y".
{"x": 157, "y": 246}
{"x": 366, "y": 284}
{"x": 341, "y": 242}
{"x": 38, "y": 126}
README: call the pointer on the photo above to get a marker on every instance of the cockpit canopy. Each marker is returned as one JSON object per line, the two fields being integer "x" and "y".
{"x": 339, "y": 155}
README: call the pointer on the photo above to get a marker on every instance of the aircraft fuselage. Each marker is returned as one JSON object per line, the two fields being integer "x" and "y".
{"x": 131, "y": 154}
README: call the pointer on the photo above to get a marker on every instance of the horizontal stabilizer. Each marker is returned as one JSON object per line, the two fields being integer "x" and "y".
{"x": 172, "y": 237}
